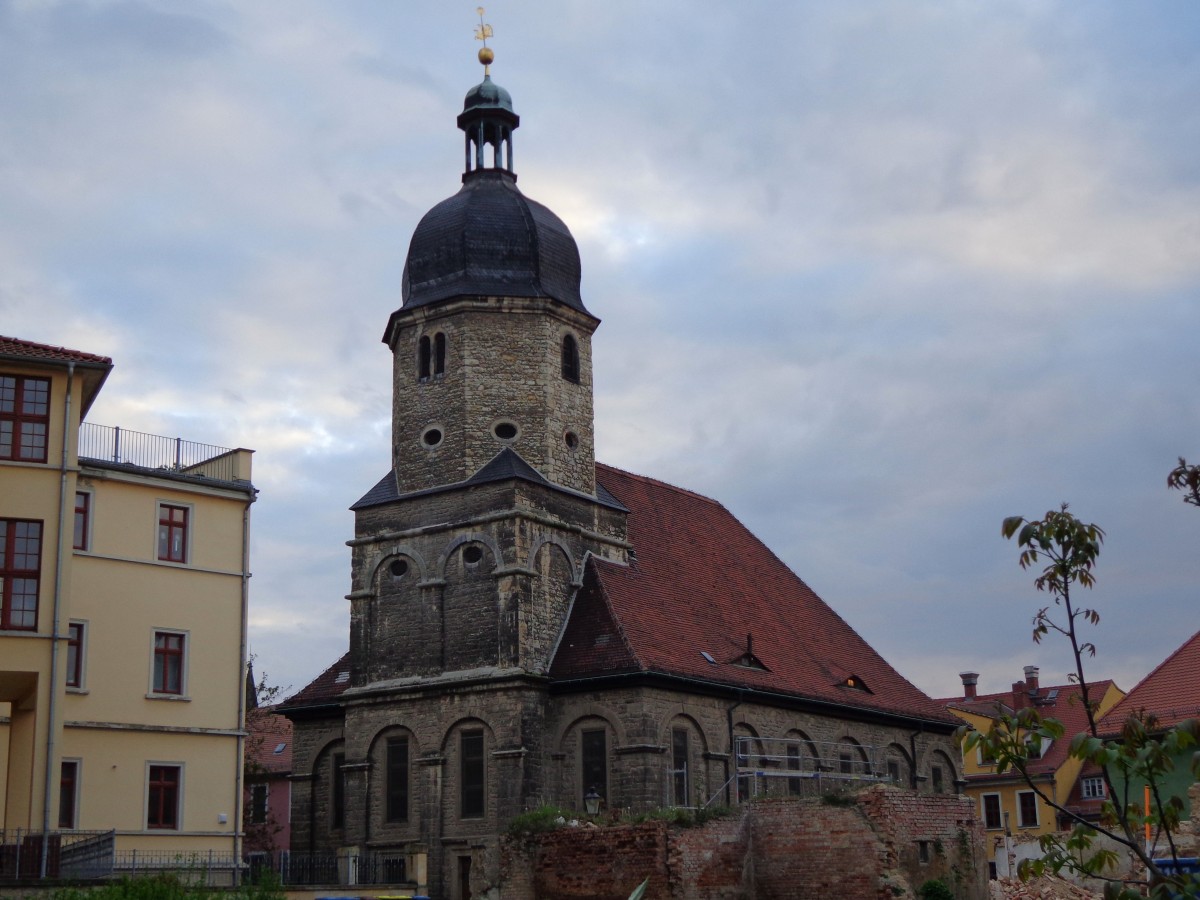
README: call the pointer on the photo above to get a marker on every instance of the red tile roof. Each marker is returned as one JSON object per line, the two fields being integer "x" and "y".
{"x": 1066, "y": 707}
{"x": 19, "y": 349}
{"x": 702, "y": 583}
{"x": 268, "y": 732}
{"x": 325, "y": 688}
{"x": 1171, "y": 693}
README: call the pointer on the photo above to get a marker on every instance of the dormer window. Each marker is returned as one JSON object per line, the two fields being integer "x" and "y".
{"x": 855, "y": 683}
{"x": 570, "y": 359}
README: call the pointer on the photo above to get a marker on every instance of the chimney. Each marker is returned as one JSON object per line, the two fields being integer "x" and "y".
{"x": 1031, "y": 679}
{"x": 969, "y": 680}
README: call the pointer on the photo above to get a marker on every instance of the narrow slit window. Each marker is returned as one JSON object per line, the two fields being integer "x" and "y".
{"x": 424, "y": 358}
{"x": 570, "y": 359}
{"x": 439, "y": 354}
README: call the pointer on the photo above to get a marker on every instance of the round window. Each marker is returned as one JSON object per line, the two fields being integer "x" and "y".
{"x": 571, "y": 439}
{"x": 472, "y": 554}
{"x": 506, "y": 431}
{"x": 399, "y": 568}
{"x": 432, "y": 437}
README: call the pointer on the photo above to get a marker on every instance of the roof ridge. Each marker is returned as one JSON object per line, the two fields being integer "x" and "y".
{"x": 83, "y": 355}
{"x": 673, "y": 487}
{"x": 1170, "y": 656}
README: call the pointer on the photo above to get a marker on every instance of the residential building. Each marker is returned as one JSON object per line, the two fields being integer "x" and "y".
{"x": 268, "y": 792}
{"x": 123, "y": 566}
{"x": 1164, "y": 698}
{"x": 530, "y": 627}
{"x": 1011, "y": 811}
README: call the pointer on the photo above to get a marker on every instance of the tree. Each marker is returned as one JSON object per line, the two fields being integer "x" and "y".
{"x": 261, "y": 697}
{"x": 1067, "y": 550}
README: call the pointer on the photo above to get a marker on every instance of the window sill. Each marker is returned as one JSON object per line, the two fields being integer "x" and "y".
{"x": 176, "y": 697}
{"x": 77, "y": 690}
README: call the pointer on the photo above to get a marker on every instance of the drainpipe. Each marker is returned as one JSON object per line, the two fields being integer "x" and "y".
{"x": 912, "y": 745}
{"x": 64, "y": 472}
{"x": 732, "y": 757}
{"x": 241, "y": 714}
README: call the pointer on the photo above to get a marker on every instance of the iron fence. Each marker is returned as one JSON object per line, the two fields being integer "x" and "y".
{"x": 378, "y": 867}
{"x": 203, "y": 867}
{"x": 114, "y": 445}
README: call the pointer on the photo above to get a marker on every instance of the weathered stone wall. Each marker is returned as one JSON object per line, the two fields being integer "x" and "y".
{"x": 775, "y": 850}
{"x": 503, "y": 363}
{"x": 639, "y": 723}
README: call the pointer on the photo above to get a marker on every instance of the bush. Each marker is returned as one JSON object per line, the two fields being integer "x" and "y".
{"x": 935, "y": 889}
{"x": 540, "y": 820}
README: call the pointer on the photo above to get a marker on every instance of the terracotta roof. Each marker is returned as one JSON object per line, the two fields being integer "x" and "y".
{"x": 325, "y": 688}
{"x": 1171, "y": 693}
{"x": 703, "y": 586}
{"x": 269, "y": 741}
{"x": 94, "y": 369}
{"x": 1066, "y": 707}
{"x": 19, "y": 349}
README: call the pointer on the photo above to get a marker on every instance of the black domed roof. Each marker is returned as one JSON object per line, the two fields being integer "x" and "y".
{"x": 490, "y": 239}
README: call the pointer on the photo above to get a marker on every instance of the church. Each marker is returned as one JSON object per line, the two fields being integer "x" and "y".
{"x": 529, "y": 627}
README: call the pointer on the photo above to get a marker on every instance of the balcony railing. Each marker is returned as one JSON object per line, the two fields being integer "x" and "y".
{"x": 155, "y": 453}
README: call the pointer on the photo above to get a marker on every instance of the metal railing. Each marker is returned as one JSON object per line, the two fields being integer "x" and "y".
{"x": 31, "y": 855}
{"x": 377, "y": 867}
{"x": 200, "y": 867}
{"x": 120, "y": 446}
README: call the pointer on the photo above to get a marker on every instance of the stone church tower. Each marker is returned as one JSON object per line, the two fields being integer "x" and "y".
{"x": 468, "y": 553}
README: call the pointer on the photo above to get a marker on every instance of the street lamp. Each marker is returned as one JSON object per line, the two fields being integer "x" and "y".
{"x": 591, "y": 801}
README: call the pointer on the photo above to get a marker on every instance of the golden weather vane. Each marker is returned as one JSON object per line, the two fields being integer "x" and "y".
{"x": 482, "y": 33}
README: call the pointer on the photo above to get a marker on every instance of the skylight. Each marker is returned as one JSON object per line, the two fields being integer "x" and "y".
{"x": 709, "y": 657}
{"x": 279, "y": 748}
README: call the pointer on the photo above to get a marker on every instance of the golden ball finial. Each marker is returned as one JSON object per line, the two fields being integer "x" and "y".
{"x": 486, "y": 55}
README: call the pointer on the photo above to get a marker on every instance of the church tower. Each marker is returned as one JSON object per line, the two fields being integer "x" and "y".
{"x": 468, "y": 552}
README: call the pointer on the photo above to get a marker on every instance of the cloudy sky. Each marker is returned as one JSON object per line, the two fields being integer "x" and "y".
{"x": 874, "y": 274}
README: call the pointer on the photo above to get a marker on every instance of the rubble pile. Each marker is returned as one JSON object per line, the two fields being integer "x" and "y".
{"x": 1046, "y": 888}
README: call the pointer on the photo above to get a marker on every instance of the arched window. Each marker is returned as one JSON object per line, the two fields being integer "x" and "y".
{"x": 439, "y": 354}
{"x": 423, "y": 357}
{"x": 570, "y": 359}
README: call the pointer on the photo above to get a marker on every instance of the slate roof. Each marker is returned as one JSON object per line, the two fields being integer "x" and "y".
{"x": 1171, "y": 693}
{"x": 702, "y": 583}
{"x": 267, "y": 731}
{"x": 1066, "y": 707}
{"x": 505, "y": 465}
{"x": 489, "y": 239}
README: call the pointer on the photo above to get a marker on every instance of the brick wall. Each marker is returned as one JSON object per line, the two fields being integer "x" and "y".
{"x": 774, "y": 850}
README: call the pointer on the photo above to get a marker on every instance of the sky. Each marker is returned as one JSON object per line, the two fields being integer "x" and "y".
{"x": 874, "y": 275}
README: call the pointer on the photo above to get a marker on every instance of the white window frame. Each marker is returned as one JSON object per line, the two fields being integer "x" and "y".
{"x": 1096, "y": 781}
{"x": 189, "y": 532}
{"x": 85, "y": 625}
{"x": 179, "y": 805}
{"x": 184, "y": 666}
{"x": 999, "y": 809}
{"x": 1021, "y": 823}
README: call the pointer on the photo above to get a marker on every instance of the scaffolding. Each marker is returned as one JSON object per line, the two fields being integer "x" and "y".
{"x": 792, "y": 767}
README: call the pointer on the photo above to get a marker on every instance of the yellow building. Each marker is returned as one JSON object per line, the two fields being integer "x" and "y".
{"x": 1012, "y": 813}
{"x": 123, "y": 578}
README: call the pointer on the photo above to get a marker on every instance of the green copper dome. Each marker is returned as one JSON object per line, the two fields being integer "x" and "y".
{"x": 487, "y": 95}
